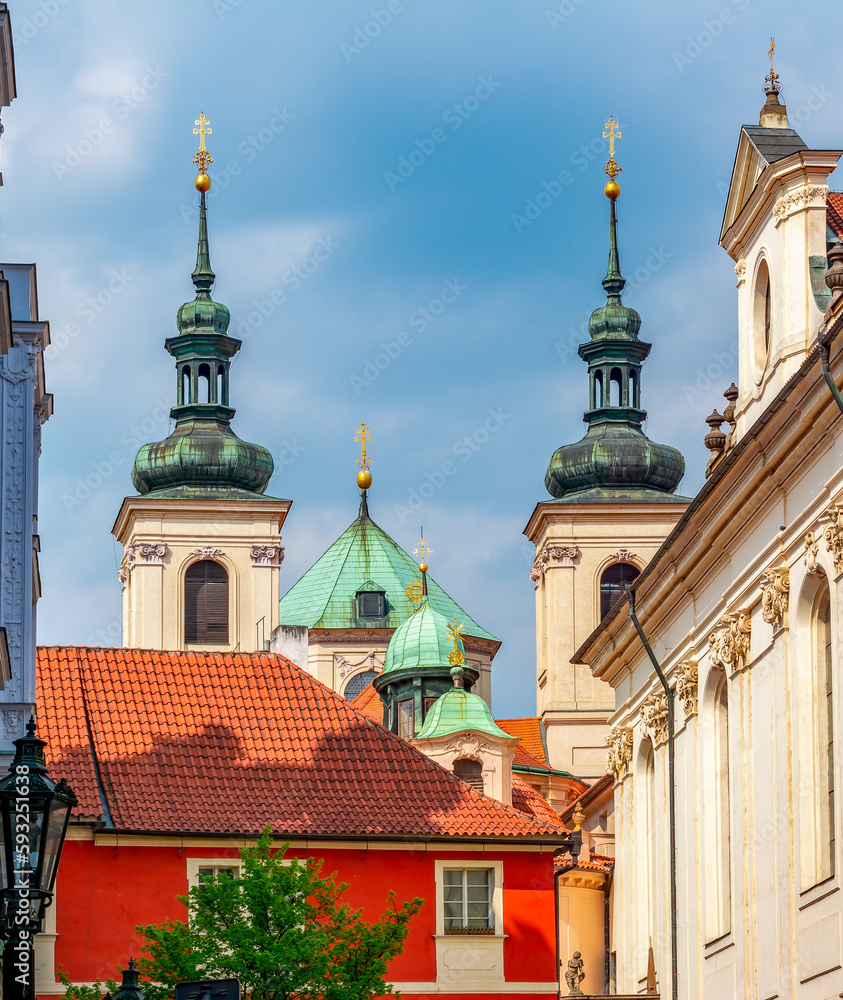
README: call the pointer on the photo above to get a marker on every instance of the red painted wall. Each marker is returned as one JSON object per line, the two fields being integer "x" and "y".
{"x": 103, "y": 893}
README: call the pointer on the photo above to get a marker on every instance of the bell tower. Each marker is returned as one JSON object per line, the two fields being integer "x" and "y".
{"x": 201, "y": 543}
{"x": 613, "y": 505}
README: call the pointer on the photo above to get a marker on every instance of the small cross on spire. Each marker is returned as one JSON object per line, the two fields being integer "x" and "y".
{"x": 612, "y": 132}
{"x": 203, "y": 158}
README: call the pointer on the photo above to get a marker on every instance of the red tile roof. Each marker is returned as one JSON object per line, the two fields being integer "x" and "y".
{"x": 529, "y": 732}
{"x": 834, "y": 212}
{"x": 594, "y": 862}
{"x": 527, "y": 800}
{"x": 193, "y": 742}
{"x": 368, "y": 701}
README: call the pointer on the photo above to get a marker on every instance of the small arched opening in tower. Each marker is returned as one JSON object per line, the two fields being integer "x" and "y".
{"x": 206, "y": 604}
{"x": 470, "y": 771}
{"x": 613, "y": 583}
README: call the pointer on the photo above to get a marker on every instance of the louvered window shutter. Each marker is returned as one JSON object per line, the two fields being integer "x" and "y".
{"x": 206, "y": 604}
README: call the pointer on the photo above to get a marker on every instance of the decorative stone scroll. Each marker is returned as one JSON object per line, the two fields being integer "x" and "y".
{"x": 467, "y": 747}
{"x": 687, "y": 678}
{"x": 654, "y": 713}
{"x": 371, "y": 661}
{"x": 208, "y": 552}
{"x": 152, "y": 554}
{"x": 728, "y": 644}
{"x": 832, "y": 521}
{"x": 623, "y": 555}
{"x": 808, "y": 194}
{"x": 812, "y": 548}
{"x": 552, "y": 557}
{"x": 775, "y": 596}
{"x": 619, "y": 753}
{"x": 264, "y": 555}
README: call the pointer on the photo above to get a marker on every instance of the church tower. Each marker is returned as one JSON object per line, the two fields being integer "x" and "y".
{"x": 201, "y": 550}
{"x": 613, "y": 505}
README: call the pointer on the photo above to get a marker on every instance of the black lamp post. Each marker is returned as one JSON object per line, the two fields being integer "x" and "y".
{"x": 35, "y": 813}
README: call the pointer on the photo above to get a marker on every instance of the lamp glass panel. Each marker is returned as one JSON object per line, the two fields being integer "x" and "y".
{"x": 53, "y": 842}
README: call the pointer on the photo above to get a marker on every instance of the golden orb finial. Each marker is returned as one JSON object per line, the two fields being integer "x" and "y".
{"x": 203, "y": 158}
{"x": 612, "y": 189}
{"x": 364, "y": 477}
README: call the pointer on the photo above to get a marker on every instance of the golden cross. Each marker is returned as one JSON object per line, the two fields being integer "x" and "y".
{"x": 421, "y": 551}
{"x": 454, "y": 633}
{"x": 204, "y": 128}
{"x": 612, "y": 134}
{"x": 772, "y": 50}
{"x": 363, "y": 434}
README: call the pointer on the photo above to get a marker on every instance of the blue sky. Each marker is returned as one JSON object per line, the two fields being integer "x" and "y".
{"x": 405, "y": 139}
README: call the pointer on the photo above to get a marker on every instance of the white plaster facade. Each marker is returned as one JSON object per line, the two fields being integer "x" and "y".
{"x": 162, "y": 537}
{"x": 575, "y": 543}
{"x": 734, "y": 608}
{"x": 494, "y": 753}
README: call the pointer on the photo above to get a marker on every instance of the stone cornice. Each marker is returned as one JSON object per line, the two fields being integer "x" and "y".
{"x": 198, "y": 510}
{"x": 548, "y": 512}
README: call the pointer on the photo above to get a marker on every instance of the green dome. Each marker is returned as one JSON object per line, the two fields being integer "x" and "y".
{"x": 614, "y": 320}
{"x": 456, "y": 711}
{"x": 421, "y": 642}
{"x": 205, "y": 454}
{"x": 614, "y": 455}
{"x": 203, "y": 314}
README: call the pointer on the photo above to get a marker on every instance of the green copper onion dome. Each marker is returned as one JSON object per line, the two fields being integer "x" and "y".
{"x": 421, "y": 642}
{"x": 457, "y": 711}
{"x": 203, "y": 456}
{"x": 615, "y": 459}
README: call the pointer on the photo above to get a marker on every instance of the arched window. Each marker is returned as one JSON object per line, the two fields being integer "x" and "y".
{"x": 615, "y": 387}
{"x": 824, "y": 727}
{"x": 203, "y": 390}
{"x": 222, "y": 389}
{"x": 470, "y": 771}
{"x": 762, "y": 316}
{"x": 206, "y": 604}
{"x": 613, "y": 585}
{"x": 357, "y": 683}
{"x": 598, "y": 389}
{"x": 185, "y": 386}
{"x": 721, "y": 905}
{"x": 633, "y": 388}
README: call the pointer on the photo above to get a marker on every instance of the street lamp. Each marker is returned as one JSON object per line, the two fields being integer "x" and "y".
{"x": 35, "y": 813}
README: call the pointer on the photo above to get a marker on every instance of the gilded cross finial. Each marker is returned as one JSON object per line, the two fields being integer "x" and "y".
{"x": 364, "y": 477}
{"x": 203, "y": 158}
{"x": 455, "y": 632}
{"x": 612, "y": 169}
{"x": 422, "y": 552}
{"x": 771, "y": 84}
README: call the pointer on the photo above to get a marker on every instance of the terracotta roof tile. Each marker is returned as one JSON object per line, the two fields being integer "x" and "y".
{"x": 194, "y": 742}
{"x": 528, "y": 731}
{"x": 527, "y": 800}
{"x": 368, "y": 701}
{"x": 834, "y": 212}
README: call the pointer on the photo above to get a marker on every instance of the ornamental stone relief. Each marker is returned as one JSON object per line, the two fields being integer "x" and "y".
{"x": 832, "y": 521}
{"x": 622, "y": 555}
{"x": 728, "y": 644}
{"x": 812, "y": 549}
{"x": 264, "y": 555}
{"x": 552, "y": 557}
{"x": 371, "y": 661}
{"x": 740, "y": 269}
{"x": 808, "y": 194}
{"x": 654, "y": 713}
{"x": 775, "y": 596}
{"x": 619, "y": 752}
{"x": 687, "y": 678}
{"x": 208, "y": 552}
{"x": 467, "y": 747}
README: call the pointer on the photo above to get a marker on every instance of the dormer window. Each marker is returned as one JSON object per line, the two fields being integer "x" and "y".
{"x": 371, "y": 601}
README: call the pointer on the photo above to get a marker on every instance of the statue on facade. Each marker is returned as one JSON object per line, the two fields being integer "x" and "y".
{"x": 575, "y": 975}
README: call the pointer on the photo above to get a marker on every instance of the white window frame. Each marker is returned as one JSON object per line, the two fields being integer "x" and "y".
{"x": 194, "y": 864}
{"x": 496, "y": 867}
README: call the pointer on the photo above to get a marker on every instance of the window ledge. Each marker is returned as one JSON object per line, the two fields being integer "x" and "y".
{"x": 469, "y": 937}
{"x": 809, "y": 897}
{"x": 719, "y": 944}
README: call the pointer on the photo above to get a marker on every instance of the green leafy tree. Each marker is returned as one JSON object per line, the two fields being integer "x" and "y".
{"x": 279, "y": 927}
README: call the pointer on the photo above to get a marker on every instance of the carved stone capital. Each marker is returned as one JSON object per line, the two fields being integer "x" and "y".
{"x": 802, "y": 197}
{"x": 832, "y": 522}
{"x": 619, "y": 752}
{"x": 775, "y": 596}
{"x": 740, "y": 269}
{"x": 265, "y": 555}
{"x": 552, "y": 557}
{"x": 654, "y": 713}
{"x": 687, "y": 678}
{"x": 150, "y": 553}
{"x": 208, "y": 552}
{"x": 728, "y": 643}
{"x": 812, "y": 549}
